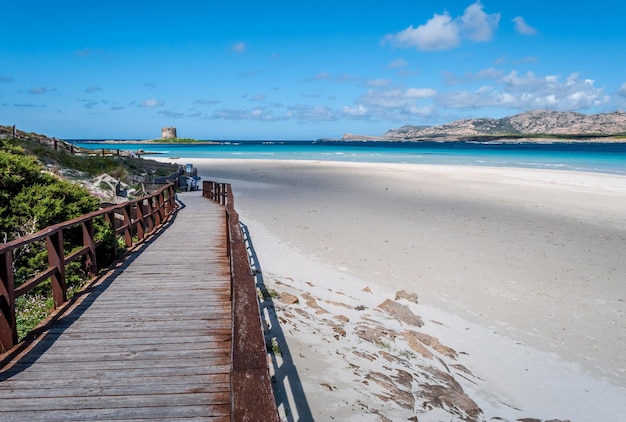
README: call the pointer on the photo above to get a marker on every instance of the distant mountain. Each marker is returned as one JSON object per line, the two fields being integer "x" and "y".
{"x": 553, "y": 124}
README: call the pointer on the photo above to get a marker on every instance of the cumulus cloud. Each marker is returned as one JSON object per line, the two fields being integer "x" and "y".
{"x": 439, "y": 33}
{"x": 622, "y": 90}
{"x": 356, "y": 111}
{"x": 239, "y": 47}
{"x": 442, "y": 32}
{"x": 151, "y": 103}
{"x": 529, "y": 91}
{"x": 522, "y": 27}
{"x": 393, "y": 103}
{"x": 477, "y": 25}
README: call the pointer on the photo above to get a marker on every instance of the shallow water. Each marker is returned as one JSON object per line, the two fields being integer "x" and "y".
{"x": 586, "y": 157}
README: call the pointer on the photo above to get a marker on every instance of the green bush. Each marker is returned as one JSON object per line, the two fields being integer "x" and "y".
{"x": 31, "y": 200}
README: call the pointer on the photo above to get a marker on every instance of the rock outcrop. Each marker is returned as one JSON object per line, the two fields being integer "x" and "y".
{"x": 537, "y": 122}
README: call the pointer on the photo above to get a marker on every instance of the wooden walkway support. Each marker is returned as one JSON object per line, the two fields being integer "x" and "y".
{"x": 150, "y": 341}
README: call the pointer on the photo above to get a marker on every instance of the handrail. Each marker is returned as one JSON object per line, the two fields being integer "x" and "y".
{"x": 250, "y": 371}
{"x": 134, "y": 220}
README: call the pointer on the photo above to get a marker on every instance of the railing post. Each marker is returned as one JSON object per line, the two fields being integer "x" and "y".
{"x": 109, "y": 217}
{"x": 147, "y": 203}
{"x": 56, "y": 259}
{"x": 91, "y": 264}
{"x": 8, "y": 326}
{"x": 171, "y": 199}
{"x": 128, "y": 227}
{"x": 139, "y": 218}
{"x": 160, "y": 204}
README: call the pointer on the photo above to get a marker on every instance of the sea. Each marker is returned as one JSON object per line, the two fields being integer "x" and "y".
{"x": 592, "y": 157}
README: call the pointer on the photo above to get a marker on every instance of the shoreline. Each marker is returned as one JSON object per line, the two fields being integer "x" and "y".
{"x": 513, "y": 254}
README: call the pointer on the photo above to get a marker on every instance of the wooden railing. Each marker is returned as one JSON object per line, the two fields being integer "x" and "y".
{"x": 251, "y": 389}
{"x": 133, "y": 221}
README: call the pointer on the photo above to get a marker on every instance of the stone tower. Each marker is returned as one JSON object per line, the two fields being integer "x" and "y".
{"x": 168, "y": 132}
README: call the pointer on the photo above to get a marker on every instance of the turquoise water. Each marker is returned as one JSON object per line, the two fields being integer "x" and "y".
{"x": 585, "y": 157}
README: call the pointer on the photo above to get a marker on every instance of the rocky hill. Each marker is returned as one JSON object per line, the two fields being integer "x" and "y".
{"x": 532, "y": 124}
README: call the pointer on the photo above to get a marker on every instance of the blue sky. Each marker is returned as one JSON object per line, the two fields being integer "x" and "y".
{"x": 301, "y": 70}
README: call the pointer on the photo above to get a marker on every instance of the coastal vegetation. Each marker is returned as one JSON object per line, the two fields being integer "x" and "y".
{"x": 32, "y": 199}
{"x": 38, "y": 188}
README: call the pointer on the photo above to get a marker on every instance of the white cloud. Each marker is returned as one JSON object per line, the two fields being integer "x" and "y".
{"x": 395, "y": 103}
{"x": 439, "y": 33}
{"x": 528, "y": 92}
{"x": 420, "y": 93}
{"x": 477, "y": 25}
{"x": 239, "y": 47}
{"x": 151, "y": 103}
{"x": 442, "y": 32}
{"x": 295, "y": 112}
{"x": 522, "y": 27}
{"x": 398, "y": 64}
{"x": 622, "y": 90}
{"x": 356, "y": 111}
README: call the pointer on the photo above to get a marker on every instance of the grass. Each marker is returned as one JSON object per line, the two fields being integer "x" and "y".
{"x": 265, "y": 294}
{"x": 275, "y": 347}
{"x": 34, "y": 307}
{"x": 30, "y": 310}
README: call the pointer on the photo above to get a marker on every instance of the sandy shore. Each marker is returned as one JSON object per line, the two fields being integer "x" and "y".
{"x": 520, "y": 274}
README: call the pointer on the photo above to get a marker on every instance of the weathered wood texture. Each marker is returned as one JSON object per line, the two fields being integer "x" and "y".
{"x": 152, "y": 341}
{"x": 250, "y": 374}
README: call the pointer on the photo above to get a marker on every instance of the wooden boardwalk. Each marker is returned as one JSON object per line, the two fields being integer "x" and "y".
{"x": 152, "y": 341}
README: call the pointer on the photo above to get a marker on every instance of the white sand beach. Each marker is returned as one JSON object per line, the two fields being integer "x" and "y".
{"x": 520, "y": 276}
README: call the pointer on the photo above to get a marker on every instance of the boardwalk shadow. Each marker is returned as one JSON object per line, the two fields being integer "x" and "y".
{"x": 287, "y": 384}
{"x": 39, "y": 340}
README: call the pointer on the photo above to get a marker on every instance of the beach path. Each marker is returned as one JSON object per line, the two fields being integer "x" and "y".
{"x": 151, "y": 341}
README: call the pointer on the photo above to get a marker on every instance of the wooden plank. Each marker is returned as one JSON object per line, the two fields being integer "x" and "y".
{"x": 120, "y": 402}
{"x": 167, "y": 374}
{"x": 108, "y": 379}
{"x": 93, "y": 390}
{"x": 152, "y": 342}
{"x": 218, "y": 413}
